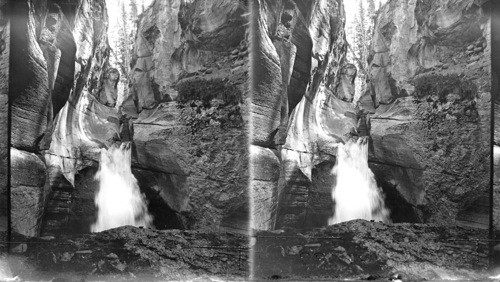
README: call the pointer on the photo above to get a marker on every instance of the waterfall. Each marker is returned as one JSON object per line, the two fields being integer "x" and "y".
{"x": 356, "y": 194}
{"x": 119, "y": 200}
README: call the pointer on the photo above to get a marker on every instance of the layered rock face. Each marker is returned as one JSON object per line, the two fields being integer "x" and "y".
{"x": 430, "y": 112}
{"x": 188, "y": 108}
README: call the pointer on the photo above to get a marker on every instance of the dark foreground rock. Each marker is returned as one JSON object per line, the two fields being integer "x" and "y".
{"x": 366, "y": 250}
{"x": 130, "y": 253}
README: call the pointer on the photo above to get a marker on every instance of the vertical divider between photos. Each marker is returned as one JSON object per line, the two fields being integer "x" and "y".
{"x": 6, "y": 14}
{"x": 494, "y": 10}
{"x": 251, "y": 29}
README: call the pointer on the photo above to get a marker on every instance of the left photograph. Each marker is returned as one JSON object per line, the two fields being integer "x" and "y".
{"x": 128, "y": 139}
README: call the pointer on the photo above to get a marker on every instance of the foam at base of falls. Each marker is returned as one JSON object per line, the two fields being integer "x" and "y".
{"x": 119, "y": 200}
{"x": 356, "y": 194}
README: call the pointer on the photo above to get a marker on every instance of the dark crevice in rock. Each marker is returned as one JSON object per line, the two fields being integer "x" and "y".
{"x": 400, "y": 209}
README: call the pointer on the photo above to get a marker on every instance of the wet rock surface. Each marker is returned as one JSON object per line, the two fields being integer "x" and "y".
{"x": 130, "y": 253}
{"x": 364, "y": 250}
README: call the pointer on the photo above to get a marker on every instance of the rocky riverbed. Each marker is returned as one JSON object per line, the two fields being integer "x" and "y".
{"x": 364, "y": 250}
{"x": 130, "y": 253}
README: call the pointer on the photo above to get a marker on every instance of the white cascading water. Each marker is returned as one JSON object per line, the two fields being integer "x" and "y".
{"x": 356, "y": 194}
{"x": 119, "y": 200}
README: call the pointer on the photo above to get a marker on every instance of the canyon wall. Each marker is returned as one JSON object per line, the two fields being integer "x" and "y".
{"x": 430, "y": 73}
{"x": 44, "y": 40}
{"x": 299, "y": 50}
{"x": 428, "y": 100}
{"x": 188, "y": 104}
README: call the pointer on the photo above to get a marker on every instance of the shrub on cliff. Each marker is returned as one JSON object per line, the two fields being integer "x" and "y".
{"x": 443, "y": 85}
{"x": 205, "y": 90}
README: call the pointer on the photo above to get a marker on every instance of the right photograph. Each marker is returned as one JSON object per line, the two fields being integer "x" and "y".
{"x": 371, "y": 140}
